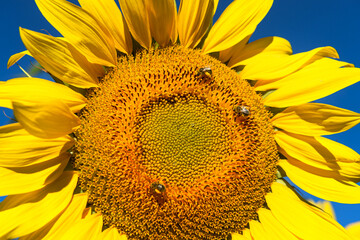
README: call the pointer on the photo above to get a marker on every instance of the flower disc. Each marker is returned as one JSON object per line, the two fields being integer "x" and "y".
{"x": 175, "y": 145}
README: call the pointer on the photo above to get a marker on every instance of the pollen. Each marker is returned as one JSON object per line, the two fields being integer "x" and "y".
{"x": 167, "y": 150}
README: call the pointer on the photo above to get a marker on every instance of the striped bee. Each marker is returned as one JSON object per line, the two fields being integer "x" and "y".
{"x": 158, "y": 191}
{"x": 158, "y": 188}
{"x": 205, "y": 71}
{"x": 242, "y": 110}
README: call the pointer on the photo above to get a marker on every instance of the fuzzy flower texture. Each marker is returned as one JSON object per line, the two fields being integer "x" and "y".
{"x": 159, "y": 124}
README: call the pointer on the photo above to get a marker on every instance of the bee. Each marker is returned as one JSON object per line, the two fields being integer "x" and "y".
{"x": 158, "y": 188}
{"x": 205, "y": 71}
{"x": 242, "y": 110}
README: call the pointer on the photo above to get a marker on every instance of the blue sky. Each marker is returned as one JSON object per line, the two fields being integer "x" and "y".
{"x": 307, "y": 24}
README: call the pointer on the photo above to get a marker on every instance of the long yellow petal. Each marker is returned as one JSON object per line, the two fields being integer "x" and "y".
{"x": 315, "y": 119}
{"x": 246, "y": 235}
{"x": 318, "y": 80}
{"x": 94, "y": 70}
{"x": 50, "y": 119}
{"x": 53, "y": 54}
{"x": 85, "y": 229}
{"x": 137, "y": 20}
{"x": 112, "y": 234}
{"x": 342, "y": 191}
{"x": 273, "y": 227}
{"x": 16, "y": 57}
{"x": 275, "y": 67}
{"x": 6, "y": 103}
{"x": 108, "y": 13}
{"x": 354, "y": 230}
{"x": 63, "y": 222}
{"x": 36, "y": 90}
{"x": 326, "y": 206}
{"x": 238, "y": 236}
{"x": 238, "y": 21}
{"x": 194, "y": 19}
{"x": 237, "y": 49}
{"x": 90, "y": 37}
{"x": 258, "y": 232}
{"x": 327, "y": 158}
{"x": 258, "y": 49}
{"x": 299, "y": 77}
{"x": 162, "y": 18}
{"x": 303, "y": 220}
{"x": 18, "y": 148}
{"x": 25, "y": 213}
{"x": 30, "y": 178}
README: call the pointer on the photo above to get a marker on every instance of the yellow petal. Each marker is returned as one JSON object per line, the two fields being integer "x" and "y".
{"x": 330, "y": 189}
{"x": 90, "y": 37}
{"x": 244, "y": 236}
{"x": 246, "y": 233}
{"x": 108, "y": 13}
{"x": 238, "y": 21}
{"x": 112, "y": 234}
{"x": 64, "y": 221}
{"x": 30, "y": 178}
{"x": 36, "y": 90}
{"x": 6, "y": 103}
{"x": 327, "y": 158}
{"x": 238, "y": 236}
{"x": 323, "y": 64}
{"x": 25, "y": 213}
{"x": 194, "y": 19}
{"x": 49, "y": 119}
{"x": 326, "y": 206}
{"x": 303, "y": 220}
{"x": 94, "y": 70}
{"x": 85, "y": 229}
{"x": 272, "y": 227}
{"x": 162, "y": 18}
{"x": 86, "y": 213}
{"x": 263, "y": 47}
{"x": 138, "y": 21}
{"x": 234, "y": 51}
{"x": 274, "y": 67}
{"x": 16, "y": 57}
{"x": 354, "y": 230}
{"x": 258, "y": 232}
{"x": 315, "y": 119}
{"x": 216, "y": 2}
{"x": 18, "y": 148}
{"x": 318, "y": 80}
{"x": 53, "y": 54}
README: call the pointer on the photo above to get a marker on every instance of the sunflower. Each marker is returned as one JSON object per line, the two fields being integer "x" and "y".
{"x": 353, "y": 228}
{"x": 159, "y": 125}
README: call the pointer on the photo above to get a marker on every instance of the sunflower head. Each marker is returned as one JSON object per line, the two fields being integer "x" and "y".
{"x": 163, "y": 126}
{"x": 168, "y": 127}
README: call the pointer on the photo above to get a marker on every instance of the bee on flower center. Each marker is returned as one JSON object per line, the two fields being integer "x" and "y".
{"x": 205, "y": 72}
{"x": 157, "y": 190}
{"x": 241, "y": 110}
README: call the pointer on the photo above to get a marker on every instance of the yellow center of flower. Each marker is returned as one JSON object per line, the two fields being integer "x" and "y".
{"x": 175, "y": 145}
{"x": 181, "y": 139}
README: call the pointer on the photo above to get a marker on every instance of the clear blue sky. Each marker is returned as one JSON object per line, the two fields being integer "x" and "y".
{"x": 307, "y": 24}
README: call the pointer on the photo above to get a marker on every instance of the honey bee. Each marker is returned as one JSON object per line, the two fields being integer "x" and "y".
{"x": 205, "y": 71}
{"x": 158, "y": 188}
{"x": 242, "y": 110}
